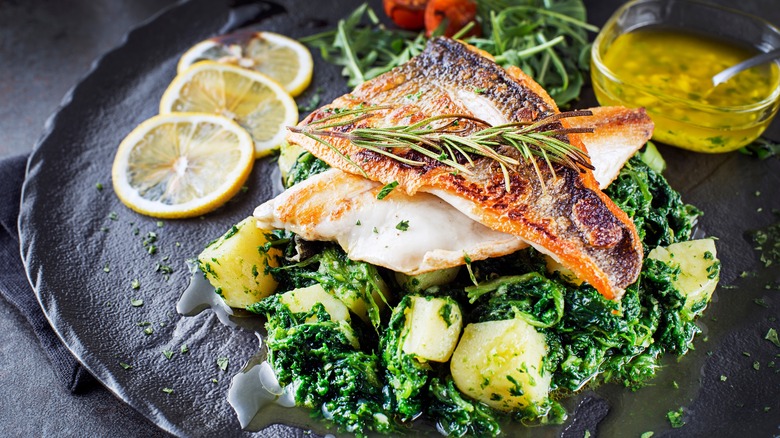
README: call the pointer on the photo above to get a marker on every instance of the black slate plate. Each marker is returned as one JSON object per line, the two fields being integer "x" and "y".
{"x": 82, "y": 249}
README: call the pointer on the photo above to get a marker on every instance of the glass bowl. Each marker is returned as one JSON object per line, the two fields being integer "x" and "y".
{"x": 688, "y": 120}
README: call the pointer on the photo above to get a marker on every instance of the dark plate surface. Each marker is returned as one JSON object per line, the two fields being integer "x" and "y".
{"x": 83, "y": 249}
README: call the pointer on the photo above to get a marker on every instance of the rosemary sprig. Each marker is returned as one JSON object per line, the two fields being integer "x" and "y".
{"x": 441, "y": 138}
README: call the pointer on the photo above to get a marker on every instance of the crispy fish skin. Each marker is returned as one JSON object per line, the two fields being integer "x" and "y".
{"x": 561, "y": 212}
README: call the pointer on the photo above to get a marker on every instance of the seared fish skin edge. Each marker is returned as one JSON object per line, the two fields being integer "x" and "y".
{"x": 563, "y": 213}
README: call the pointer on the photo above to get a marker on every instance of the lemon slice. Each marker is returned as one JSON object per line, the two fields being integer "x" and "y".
{"x": 282, "y": 59}
{"x": 254, "y": 101}
{"x": 182, "y": 165}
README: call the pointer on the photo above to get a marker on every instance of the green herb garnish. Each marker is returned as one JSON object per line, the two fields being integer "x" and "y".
{"x": 676, "y": 418}
{"x": 386, "y": 190}
{"x": 771, "y": 336}
{"x": 222, "y": 363}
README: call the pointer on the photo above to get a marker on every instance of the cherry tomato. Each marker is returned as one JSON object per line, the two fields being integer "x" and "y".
{"x": 406, "y": 14}
{"x": 458, "y": 13}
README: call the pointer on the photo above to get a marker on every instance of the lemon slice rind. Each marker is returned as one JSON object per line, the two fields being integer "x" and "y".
{"x": 230, "y": 180}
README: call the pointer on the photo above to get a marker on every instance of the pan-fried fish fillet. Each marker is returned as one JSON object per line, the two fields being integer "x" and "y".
{"x": 342, "y": 207}
{"x": 618, "y": 133}
{"x": 409, "y": 234}
{"x": 562, "y": 213}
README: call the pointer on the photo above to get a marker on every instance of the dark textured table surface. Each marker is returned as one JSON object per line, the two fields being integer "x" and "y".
{"x": 45, "y": 47}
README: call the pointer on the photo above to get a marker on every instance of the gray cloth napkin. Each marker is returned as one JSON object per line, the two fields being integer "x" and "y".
{"x": 15, "y": 288}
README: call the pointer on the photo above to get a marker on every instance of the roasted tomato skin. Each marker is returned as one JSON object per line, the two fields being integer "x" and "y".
{"x": 458, "y": 13}
{"x": 406, "y": 14}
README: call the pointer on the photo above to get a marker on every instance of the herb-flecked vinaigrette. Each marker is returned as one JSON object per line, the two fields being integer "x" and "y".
{"x": 679, "y": 65}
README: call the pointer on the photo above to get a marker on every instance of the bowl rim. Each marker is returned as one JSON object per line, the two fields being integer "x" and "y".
{"x": 598, "y": 63}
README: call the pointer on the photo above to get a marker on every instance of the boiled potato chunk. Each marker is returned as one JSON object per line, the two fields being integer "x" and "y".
{"x": 287, "y": 157}
{"x": 420, "y": 282}
{"x": 500, "y": 363}
{"x": 431, "y": 328}
{"x": 699, "y": 268}
{"x": 235, "y": 267}
{"x": 303, "y": 299}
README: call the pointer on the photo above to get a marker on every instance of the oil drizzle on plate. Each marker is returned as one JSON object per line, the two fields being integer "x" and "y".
{"x": 255, "y": 388}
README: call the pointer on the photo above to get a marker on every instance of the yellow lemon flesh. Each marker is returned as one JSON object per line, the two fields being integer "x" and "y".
{"x": 251, "y": 99}
{"x": 182, "y": 165}
{"x": 282, "y": 59}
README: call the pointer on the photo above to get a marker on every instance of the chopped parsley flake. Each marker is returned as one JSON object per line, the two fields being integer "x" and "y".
{"x": 184, "y": 349}
{"x": 723, "y": 378}
{"x": 99, "y": 186}
{"x": 403, "y": 226}
{"x": 113, "y": 216}
{"x": 647, "y": 434}
{"x": 135, "y": 284}
{"x": 386, "y": 190}
{"x": 106, "y": 268}
{"x": 222, "y": 363}
{"x": 148, "y": 331}
{"x": 165, "y": 269}
{"x": 126, "y": 366}
{"x": 771, "y": 336}
{"x": 414, "y": 96}
{"x": 167, "y": 390}
{"x": 168, "y": 354}
{"x": 136, "y": 302}
{"x": 676, "y": 418}
{"x": 756, "y": 365}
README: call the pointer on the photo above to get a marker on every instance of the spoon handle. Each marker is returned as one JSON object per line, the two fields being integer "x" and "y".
{"x": 728, "y": 73}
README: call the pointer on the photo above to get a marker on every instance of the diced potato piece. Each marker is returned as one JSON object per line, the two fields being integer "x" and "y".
{"x": 303, "y": 299}
{"x": 699, "y": 269}
{"x": 418, "y": 283}
{"x": 432, "y": 328}
{"x": 287, "y": 157}
{"x": 235, "y": 267}
{"x": 500, "y": 363}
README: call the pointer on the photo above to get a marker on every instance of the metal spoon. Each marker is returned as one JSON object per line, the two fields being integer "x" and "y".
{"x": 730, "y": 72}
